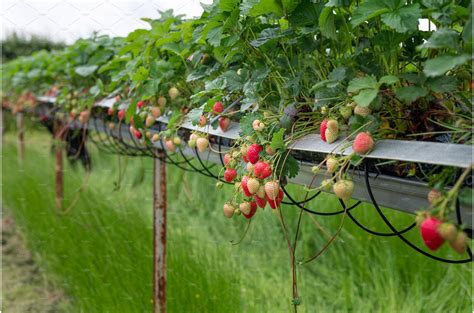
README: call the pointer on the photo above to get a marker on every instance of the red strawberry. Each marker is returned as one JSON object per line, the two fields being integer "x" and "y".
{"x": 121, "y": 115}
{"x": 217, "y": 108}
{"x": 252, "y": 152}
{"x": 253, "y": 209}
{"x": 363, "y": 143}
{"x": 202, "y": 121}
{"x": 244, "y": 186}
{"x": 429, "y": 233}
{"x": 262, "y": 170}
{"x": 230, "y": 174}
{"x": 322, "y": 129}
{"x": 277, "y": 201}
{"x": 224, "y": 123}
{"x": 110, "y": 111}
{"x": 140, "y": 104}
{"x": 261, "y": 202}
{"x": 227, "y": 158}
{"x": 137, "y": 134}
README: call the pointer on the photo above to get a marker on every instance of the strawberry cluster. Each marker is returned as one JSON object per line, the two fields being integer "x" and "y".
{"x": 256, "y": 186}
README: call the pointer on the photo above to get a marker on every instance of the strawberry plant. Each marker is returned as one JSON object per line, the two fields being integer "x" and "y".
{"x": 352, "y": 72}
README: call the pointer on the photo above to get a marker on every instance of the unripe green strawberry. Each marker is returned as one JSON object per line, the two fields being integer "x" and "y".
{"x": 173, "y": 92}
{"x": 150, "y": 120}
{"x": 228, "y": 210}
{"x": 459, "y": 244}
{"x": 448, "y": 231}
{"x": 170, "y": 145}
{"x": 253, "y": 185}
{"x": 155, "y": 112}
{"x": 176, "y": 140}
{"x": 193, "y": 136}
{"x": 420, "y": 217}
{"x": 192, "y": 143}
{"x": 161, "y": 101}
{"x": 332, "y": 164}
{"x": 155, "y": 138}
{"x": 261, "y": 192}
{"x": 237, "y": 186}
{"x": 271, "y": 189}
{"x": 346, "y": 112}
{"x": 343, "y": 189}
{"x": 362, "y": 111}
{"x": 269, "y": 150}
{"x": 245, "y": 207}
{"x": 326, "y": 184}
{"x": 434, "y": 195}
{"x": 332, "y": 131}
{"x": 315, "y": 169}
{"x": 202, "y": 144}
{"x": 249, "y": 167}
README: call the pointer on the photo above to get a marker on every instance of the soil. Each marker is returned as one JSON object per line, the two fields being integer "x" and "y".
{"x": 25, "y": 287}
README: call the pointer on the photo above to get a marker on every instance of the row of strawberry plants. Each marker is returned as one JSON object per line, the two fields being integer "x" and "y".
{"x": 354, "y": 72}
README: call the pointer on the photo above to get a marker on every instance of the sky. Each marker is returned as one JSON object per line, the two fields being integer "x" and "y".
{"x": 68, "y": 20}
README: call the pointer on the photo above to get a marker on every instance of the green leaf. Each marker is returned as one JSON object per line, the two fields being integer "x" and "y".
{"x": 365, "y": 97}
{"x": 403, "y": 19}
{"x": 290, "y": 5}
{"x": 440, "y": 65}
{"x": 388, "y": 80}
{"x": 265, "y": 36}
{"x": 260, "y": 7}
{"x": 277, "y": 140}
{"x": 338, "y": 74}
{"x": 214, "y": 36}
{"x": 410, "y": 94}
{"x": 326, "y": 23}
{"x": 442, "y": 38}
{"x": 290, "y": 166}
{"x": 228, "y": 5}
{"x": 85, "y": 71}
{"x": 194, "y": 115}
{"x": 140, "y": 75}
{"x": 359, "y": 83}
{"x": 367, "y": 11}
{"x": 442, "y": 84}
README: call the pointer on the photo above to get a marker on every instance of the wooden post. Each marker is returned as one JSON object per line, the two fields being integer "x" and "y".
{"x": 20, "y": 125}
{"x": 58, "y": 164}
{"x": 159, "y": 233}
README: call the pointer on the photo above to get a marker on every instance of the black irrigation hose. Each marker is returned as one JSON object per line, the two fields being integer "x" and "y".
{"x": 127, "y": 146}
{"x": 373, "y": 232}
{"x": 137, "y": 146}
{"x": 219, "y": 142}
{"x": 298, "y": 203}
{"x": 399, "y": 235}
{"x": 202, "y": 164}
{"x": 112, "y": 141}
{"x": 195, "y": 169}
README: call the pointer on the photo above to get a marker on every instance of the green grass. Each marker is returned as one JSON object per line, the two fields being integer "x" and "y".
{"x": 101, "y": 252}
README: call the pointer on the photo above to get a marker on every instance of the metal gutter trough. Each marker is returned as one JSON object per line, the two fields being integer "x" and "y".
{"x": 392, "y": 192}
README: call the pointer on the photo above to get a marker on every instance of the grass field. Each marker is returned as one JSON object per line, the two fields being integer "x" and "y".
{"x": 100, "y": 253}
